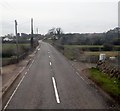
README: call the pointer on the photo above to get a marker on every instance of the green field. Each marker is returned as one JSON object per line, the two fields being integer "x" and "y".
{"x": 82, "y": 46}
{"x": 71, "y": 50}
{"x": 85, "y": 46}
{"x": 13, "y": 46}
{"x": 9, "y": 52}
{"x": 75, "y": 53}
{"x": 108, "y": 53}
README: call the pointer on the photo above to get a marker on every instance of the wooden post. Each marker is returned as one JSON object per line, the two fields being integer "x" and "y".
{"x": 16, "y": 41}
{"x": 31, "y": 33}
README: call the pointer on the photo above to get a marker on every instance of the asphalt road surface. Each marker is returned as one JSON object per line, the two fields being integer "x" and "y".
{"x": 50, "y": 82}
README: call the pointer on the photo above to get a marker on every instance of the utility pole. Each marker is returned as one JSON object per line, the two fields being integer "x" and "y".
{"x": 118, "y": 32}
{"x": 31, "y": 33}
{"x": 16, "y": 41}
{"x": 118, "y": 51}
{"x": 37, "y": 30}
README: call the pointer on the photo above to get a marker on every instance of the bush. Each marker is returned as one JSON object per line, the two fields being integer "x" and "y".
{"x": 108, "y": 47}
{"x": 92, "y": 49}
{"x": 110, "y": 85}
{"x": 24, "y": 48}
{"x": 117, "y": 48}
{"x": 8, "y": 52}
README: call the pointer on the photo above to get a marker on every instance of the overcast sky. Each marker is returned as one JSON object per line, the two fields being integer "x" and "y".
{"x": 80, "y": 16}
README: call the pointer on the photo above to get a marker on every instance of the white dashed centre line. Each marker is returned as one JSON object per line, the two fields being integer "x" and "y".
{"x": 49, "y": 56}
{"x": 50, "y": 63}
{"x": 55, "y": 89}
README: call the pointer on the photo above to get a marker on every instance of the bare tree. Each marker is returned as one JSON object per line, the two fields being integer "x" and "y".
{"x": 52, "y": 31}
{"x": 55, "y": 32}
{"x": 59, "y": 31}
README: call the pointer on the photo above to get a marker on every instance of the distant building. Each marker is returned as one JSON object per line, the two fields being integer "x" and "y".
{"x": 24, "y": 35}
{"x": 7, "y": 39}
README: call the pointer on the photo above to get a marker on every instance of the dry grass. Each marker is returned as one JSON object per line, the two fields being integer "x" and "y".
{"x": 108, "y": 53}
{"x": 8, "y": 69}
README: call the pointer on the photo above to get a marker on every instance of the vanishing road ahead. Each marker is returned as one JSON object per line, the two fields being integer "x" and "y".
{"x": 51, "y": 83}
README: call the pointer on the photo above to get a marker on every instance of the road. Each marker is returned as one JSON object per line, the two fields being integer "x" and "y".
{"x": 50, "y": 82}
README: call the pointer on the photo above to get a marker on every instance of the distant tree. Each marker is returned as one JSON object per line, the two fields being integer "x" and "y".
{"x": 52, "y": 31}
{"x": 116, "y": 41}
{"x": 108, "y": 47}
{"x": 59, "y": 31}
{"x": 55, "y": 32}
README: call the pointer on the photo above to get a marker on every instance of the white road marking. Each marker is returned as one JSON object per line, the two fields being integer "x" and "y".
{"x": 33, "y": 61}
{"x": 30, "y": 65}
{"x": 49, "y": 56}
{"x": 79, "y": 76}
{"x": 82, "y": 78}
{"x": 28, "y": 69}
{"x": 15, "y": 89}
{"x": 25, "y": 73}
{"x": 21, "y": 69}
{"x": 13, "y": 93}
{"x": 55, "y": 89}
{"x": 50, "y": 63}
{"x": 77, "y": 73}
{"x": 39, "y": 49}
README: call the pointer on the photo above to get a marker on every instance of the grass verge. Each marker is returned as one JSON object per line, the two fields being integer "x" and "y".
{"x": 109, "y": 85}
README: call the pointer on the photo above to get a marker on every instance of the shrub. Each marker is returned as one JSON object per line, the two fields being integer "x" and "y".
{"x": 107, "y": 47}
{"x": 8, "y": 52}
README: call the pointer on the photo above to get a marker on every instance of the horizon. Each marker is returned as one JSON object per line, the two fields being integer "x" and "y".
{"x": 72, "y": 16}
{"x": 66, "y": 32}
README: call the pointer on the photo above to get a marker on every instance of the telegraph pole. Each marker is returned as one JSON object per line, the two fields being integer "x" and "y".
{"x": 37, "y": 30}
{"x": 118, "y": 32}
{"x": 31, "y": 33}
{"x": 16, "y": 41}
{"x": 118, "y": 51}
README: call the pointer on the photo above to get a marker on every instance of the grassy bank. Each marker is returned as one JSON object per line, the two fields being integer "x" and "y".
{"x": 109, "y": 85}
{"x": 9, "y": 52}
{"x": 13, "y": 46}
